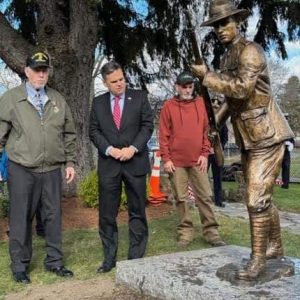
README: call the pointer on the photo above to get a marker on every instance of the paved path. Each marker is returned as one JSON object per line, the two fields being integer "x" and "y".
{"x": 290, "y": 221}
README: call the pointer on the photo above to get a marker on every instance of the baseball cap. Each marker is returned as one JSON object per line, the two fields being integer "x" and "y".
{"x": 38, "y": 59}
{"x": 184, "y": 78}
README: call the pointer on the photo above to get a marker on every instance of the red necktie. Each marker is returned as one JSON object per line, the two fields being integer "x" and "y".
{"x": 117, "y": 112}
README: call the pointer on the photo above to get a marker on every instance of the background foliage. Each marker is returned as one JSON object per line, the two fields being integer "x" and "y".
{"x": 88, "y": 191}
{"x": 4, "y": 203}
{"x": 159, "y": 29}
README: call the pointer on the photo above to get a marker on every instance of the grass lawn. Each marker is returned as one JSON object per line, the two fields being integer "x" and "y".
{"x": 295, "y": 163}
{"x": 83, "y": 251}
{"x": 286, "y": 200}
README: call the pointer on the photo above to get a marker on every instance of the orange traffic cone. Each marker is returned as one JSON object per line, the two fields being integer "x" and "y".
{"x": 156, "y": 197}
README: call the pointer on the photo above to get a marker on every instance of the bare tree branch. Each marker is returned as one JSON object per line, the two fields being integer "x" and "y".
{"x": 14, "y": 49}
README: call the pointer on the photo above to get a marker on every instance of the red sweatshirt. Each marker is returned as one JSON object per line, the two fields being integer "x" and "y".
{"x": 183, "y": 130}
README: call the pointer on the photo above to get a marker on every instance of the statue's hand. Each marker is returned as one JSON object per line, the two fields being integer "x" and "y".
{"x": 199, "y": 70}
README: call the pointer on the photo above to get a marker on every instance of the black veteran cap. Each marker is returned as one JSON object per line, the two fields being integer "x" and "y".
{"x": 184, "y": 78}
{"x": 39, "y": 59}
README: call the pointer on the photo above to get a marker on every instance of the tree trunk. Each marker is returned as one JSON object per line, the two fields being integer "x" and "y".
{"x": 76, "y": 89}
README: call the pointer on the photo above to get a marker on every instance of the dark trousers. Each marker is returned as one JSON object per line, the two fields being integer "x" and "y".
{"x": 285, "y": 172}
{"x": 217, "y": 178}
{"x": 110, "y": 189}
{"x": 39, "y": 227}
{"x": 26, "y": 189}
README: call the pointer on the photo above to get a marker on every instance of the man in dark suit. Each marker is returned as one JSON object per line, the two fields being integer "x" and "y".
{"x": 286, "y": 163}
{"x": 121, "y": 123}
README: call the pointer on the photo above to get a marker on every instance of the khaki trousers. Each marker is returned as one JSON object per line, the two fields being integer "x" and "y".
{"x": 201, "y": 187}
{"x": 261, "y": 168}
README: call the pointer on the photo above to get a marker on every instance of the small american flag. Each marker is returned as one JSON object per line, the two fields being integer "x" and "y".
{"x": 191, "y": 194}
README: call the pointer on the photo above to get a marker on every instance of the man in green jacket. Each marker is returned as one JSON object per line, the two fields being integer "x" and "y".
{"x": 37, "y": 131}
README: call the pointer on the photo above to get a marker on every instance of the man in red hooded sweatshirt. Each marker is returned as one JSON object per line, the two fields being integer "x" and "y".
{"x": 184, "y": 146}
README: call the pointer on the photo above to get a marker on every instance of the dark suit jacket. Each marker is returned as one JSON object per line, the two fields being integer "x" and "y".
{"x": 136, "y": 129}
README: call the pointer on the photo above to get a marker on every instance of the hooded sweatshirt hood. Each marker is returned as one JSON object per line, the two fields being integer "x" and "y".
{"x": 182, "y": 102}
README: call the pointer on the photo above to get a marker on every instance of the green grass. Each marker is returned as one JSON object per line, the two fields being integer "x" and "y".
{"x": 295, "y": 163}
{"x": 286, "y": 200}
{"x": 83, "y": 251}
{"x": 295, "y": 169}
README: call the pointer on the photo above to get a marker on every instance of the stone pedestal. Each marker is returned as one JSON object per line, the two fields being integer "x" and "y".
{"x": 275, "y": 269}
{"x": 193, "y": 275}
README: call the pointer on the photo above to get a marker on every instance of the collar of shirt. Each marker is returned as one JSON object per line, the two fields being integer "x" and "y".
{"x": 236, "y": 39}
{"x": 112, "y": 101}
{"x": 231, "y": 45}
{"x": 32, "y": 94}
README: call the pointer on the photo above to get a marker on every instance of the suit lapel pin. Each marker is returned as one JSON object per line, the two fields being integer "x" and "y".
{"x": 129, "y": 98}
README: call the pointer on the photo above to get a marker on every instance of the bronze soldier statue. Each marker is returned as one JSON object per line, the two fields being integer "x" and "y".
{"x": 259, "y": 126}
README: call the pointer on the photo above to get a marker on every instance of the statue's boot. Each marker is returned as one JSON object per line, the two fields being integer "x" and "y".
{"x": 275, "y": 249}
{"x": 260, "y": 228}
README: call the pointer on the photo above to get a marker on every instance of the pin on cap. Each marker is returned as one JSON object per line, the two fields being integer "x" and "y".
{"x": 37, "y": 60}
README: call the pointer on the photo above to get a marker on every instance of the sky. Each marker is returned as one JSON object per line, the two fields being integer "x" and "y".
{"x": 293, "y": 62}
{"x": 293, "y": 48}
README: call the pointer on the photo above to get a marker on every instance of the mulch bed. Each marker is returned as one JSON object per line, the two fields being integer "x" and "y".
{"x": 76, "y": 216}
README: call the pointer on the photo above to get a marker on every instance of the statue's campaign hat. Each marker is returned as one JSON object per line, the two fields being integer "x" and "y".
{"x": 221, "y": 9}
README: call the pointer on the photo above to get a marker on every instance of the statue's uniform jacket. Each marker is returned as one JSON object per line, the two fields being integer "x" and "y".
{"x": 244, "y": 80}
{"x": 259, "y": 125}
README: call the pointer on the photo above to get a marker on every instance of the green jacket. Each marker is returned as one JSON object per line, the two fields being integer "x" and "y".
{"x": 40, "y": 144}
